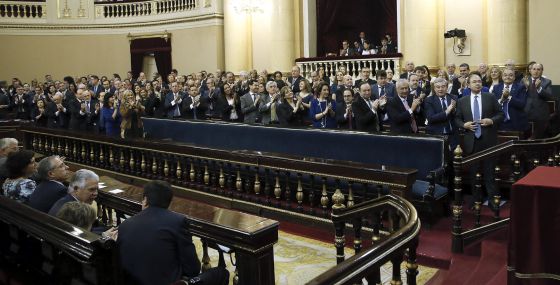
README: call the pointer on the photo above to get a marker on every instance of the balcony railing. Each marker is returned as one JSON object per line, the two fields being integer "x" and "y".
{"x": 23, "y": 10}
{"x": 352, "y": 64}
{"x": 142, "y": 8}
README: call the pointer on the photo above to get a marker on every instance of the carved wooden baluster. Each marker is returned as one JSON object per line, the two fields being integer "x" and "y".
{"x": 111, "y": 157}
{"x": 357, "y": 225}
{"x": 267, "y": 186}
{"x": 350, "y": 202}
{"x": 496, "y": 208}
{"x": 376, "y": 226}
{"x": 192, "y": 173}
{"x": 205, "y": 257}
{"x": 214, "y": 177}
{"x": 83, "y": 153}
{"x": 101, "y": 156}
{"x": 339, "y": 240}
{"x": 165, "y": 169}
{"x": 457, "y": 245}
{"x": 411, "y": 264}
{"x": 179, "y": 171}
{"x": 92, "y": 160}
{"x": 238, "y": 182}
{"x": 288, "y": 192}
{"x": 66, "y": 148}
{"x": 257, "y": 184}
{"x": 550, "y": 161}
{"x": 122, "y": 160}
{"x": 312, "y": 194}
{"x": 221, "y": 179}
{"x": 132, "y": 162}
{"x": 477, "y": 202}
{"x": 59, "y": 147}
{"x": 324, "y": 197}
{"x": 75, "y": 153}
{"x": 206, "y": 177}
{"x": 35, "y": 143}
{"x": 299, "y": 194}
{"x": 199, "y": 174}
{"x": 143, "y": 166}
{"x": 154, "y": 166}
{"x": 277, "y": 189}
{"x": 516, "y": 170}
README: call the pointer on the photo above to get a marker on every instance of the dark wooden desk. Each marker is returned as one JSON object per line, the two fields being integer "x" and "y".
{"x": 535, "y": 228}
{"x": 251, "y": 237}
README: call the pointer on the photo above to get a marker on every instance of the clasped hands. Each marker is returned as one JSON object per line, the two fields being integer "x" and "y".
{"x": 473, "y": 125}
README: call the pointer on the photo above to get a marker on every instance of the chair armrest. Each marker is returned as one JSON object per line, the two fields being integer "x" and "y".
{"x": 432, "y": 177}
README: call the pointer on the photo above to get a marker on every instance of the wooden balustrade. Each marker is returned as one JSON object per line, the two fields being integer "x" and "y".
{"x": 23, "y": 9}
{"x": 288, "y": 184}
{"x": 511, "y": 161}
{"x": 398, "y": 239}
{"x": 352, "y": 64}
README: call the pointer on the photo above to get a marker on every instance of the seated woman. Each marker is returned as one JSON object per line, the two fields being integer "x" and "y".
{"x": 322, "y": 111}
{"x": 39, "y": 114}
{"x": 111, "y": 116}
{"x": 131, "y": 112}
{"x": 290, "y": 113}
{"x": 367, "y": 49}
{"x": 82, "y": 215}
{"x": 20, "y": 165}
{"x": 229, "y": 105}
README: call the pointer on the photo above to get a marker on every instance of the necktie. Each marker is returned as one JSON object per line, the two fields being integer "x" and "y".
{"x": 87, "y": 106}
{"x": 476, "y": 117}
{"x": 447, "y": 128}
{"x": 273, "y": 114}
{"x": 412, "y": 120}
{"x": 382, "y": 91}
{"x": 368, "y": 103}
{"x": 349, "y": 117}
{"x": 505, "y": 105}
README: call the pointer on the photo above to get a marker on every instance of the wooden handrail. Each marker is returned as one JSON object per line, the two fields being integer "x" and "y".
{"x": 361, "y": 265}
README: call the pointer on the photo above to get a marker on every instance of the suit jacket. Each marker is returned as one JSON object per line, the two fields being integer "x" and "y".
{"x": 46, "y": 194}
{"x": 224, "y": 109}
{"x": 347, "y": 52}
{"x": 151, "y": 106}
{"x": 400, "y": 118}
{"x": 537, "y": 107}
{"x": 155, "y": 248}
{"x": 287, "y": 117}
{"x": 196, "y": 112}
{"x": 55, "y": 120}
{"x": 83, "y": 121}
{"x": 96, "y": 89}
{"x": 390, "y": 91}
{"x": 515, "y": 107}
{"x": 439, "y": 122}
{"x": 295, "y": 83}
{"x": 60, "y": 202}
{"x": 250, "y": 111}
{"x": 366, "y": 119}
{"x": 405, "y": 75}
{"x": 171, "y": 108}
{"x": 265, "y": 108}
{"x": 490, "y": 109}
{"x": 342, "y": 119}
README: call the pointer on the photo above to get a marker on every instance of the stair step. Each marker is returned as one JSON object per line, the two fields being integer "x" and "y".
{"x": 493, "y": 259}
{"x": 461, "y": 266}
{"x": 500, "y": 278}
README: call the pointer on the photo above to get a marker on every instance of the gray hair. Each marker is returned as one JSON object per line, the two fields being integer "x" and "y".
{"x": 270, "y": 83}
{"x": 440, "y": 81}
{"x": 401, "y": 82}
{"x": 79, "y": 179}
{"x": 6, "y": 142}
{"x": 45, "y": 165}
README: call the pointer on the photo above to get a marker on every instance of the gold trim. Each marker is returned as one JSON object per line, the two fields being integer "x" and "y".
{"x": 540, "y": 275}
{"x": 165, "y": 35}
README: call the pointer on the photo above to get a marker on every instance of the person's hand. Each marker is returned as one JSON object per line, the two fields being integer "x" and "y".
{"x": 471, "y": 126}
{"x": 97, "y": 107}
{"x": 538, "y": 83}
{"x": 415, "y": 103}
{"x": 451, "y": 107}
{"x": 83, "y": 107}
{"x": 376, "y": 104}
{"x": 486, "y": 122}
{"x": 462, "y": 80}
{"x": 111, "y": 233}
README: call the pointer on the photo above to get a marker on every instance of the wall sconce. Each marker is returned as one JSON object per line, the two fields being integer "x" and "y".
{"x": 459, "y": 39}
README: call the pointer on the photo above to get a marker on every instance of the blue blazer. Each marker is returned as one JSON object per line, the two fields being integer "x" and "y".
{"x": 58, "y": 204}
{"x": 46, "y": 194}
{"x": 169, "y": 109}
{"x": 515, "y": 107}
{"x": 155, "y": 248}
{"x": 389, "y": 90}
{"x": 435, "y": 114}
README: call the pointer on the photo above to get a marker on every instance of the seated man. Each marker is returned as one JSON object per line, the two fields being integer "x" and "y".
{"x": 7, "y": 146}
{"x": 154, "y": 246}
{"x": 83, "y": 188}
{"x": 52, "y": 172}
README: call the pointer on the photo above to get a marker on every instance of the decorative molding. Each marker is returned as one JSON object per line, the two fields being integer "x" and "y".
{"x": 165, "y": 35}
{"x": 214, "y": 19}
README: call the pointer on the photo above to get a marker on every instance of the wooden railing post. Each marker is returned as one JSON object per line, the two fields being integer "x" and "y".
{"x": 456, "y": 242}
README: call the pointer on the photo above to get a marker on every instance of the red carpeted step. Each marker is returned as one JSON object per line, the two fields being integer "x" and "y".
{"x": 461, "y": 267}
{"x": 434, "y": 247}
{"x": 500, "y": 278}
{"x": 493, "y": 259}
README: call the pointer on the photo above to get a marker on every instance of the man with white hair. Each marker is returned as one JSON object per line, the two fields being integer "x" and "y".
{"x": 7, "y": 146}
{"x": 83, "y": 187}
{"x": 409, "y": 70}
{"x": 56, "y": 112}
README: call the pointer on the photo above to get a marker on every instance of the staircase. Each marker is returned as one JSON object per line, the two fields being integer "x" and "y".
{"x": 482, "y": 263}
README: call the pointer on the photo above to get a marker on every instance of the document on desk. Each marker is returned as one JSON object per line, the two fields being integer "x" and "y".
{"x": 116, "y": 191}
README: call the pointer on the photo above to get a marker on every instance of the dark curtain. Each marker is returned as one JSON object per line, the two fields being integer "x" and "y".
{"x": 161, "y": 48}
{"x": 339, "y": 20}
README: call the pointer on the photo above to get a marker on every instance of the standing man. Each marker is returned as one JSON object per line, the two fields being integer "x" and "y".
{"x": 155, "y": 247}
{"x": 460, "y": 82}
{"x": 479, "y": 114}
{"x": 402, "y": 110}
{"x": 512, "y": 96}
{"x": 451, "y": 71}
{"x": 250, "y": 103}
{"x": 409, "y": 70}
{"x": 194, "y": 105}
{"x": 269, "y": 102}
{"x": 365, "y": 109}
{"x": 539, "y": 90}
{"x": 173, "y": 101}
{"x": 440, "y": 112}
{"x": 365, "y": 74}
{"x": 295, "y": 79}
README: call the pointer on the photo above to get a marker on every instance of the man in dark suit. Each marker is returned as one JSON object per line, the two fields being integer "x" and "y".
{"x": 84, "y": 112}
{"x": 346, "y": 49}
{"x": 409, "y": 70}
{"x": 21, "y": 104}
{"x": 513, "y": 98}
{"x": 173, "y": 102}
{"x": 460, "y": 82}
{"x": 83, "y": 187}
{"x": 250, "y": 103}
{"x": 479, "y": 114}
{"x": 56, "y": 113}
{"x": 295, "y": 79}
{"x": 402, "y": 110}
{"x": 440, "y": 112}
{"x": 539, "y": 91}
{"x": 365, "y": 109}
{"x": 381, "y": 87}
{"x": 194, "y": 105}
{"x": 155, "y": 247}
{"x": 96, "y": 87}
{"x": 365, "y": 74}
{"x": 344, "y": 115}
{"x": 52, "y": 172}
